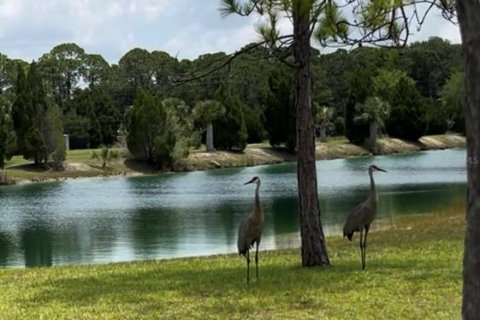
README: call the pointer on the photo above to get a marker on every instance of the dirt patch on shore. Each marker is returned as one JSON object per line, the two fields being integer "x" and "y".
{"x": 253, "y": 155}
{"x": 445, "y": 141}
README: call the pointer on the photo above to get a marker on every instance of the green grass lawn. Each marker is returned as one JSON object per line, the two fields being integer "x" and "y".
{"x": 413, "y": 272}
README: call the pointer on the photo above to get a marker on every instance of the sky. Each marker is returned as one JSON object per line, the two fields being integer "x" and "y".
{"x": 183, "y": 28}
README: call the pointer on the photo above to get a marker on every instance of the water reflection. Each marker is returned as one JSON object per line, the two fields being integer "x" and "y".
{"x": 198, "y": 213}
{"x": 37, "y": 245}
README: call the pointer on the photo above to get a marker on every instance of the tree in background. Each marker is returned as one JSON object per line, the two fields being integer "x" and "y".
{"x": 280, "y": 111}
{"x": 8, "y": 139}
{"x": 360, "y": 89}
{"x": 453, "y": 101}
{"x": 53, "y": 134}
{"x": 206, "y": 112}
{"x": 62, "y": 68}
{"x": 408, "y": 111}
{"x": 322, "y": 116}
{"x": 156, "y": 132}
{"x": 29, "y": 115}
{"x": 408, "y": 108}
{"x": 374, "y": 112}
{"x": 181, "y": 125}
{"x": 93, "y": 117}
{"x": 146, "y": 120}
{"x": 230, "y": 130}
{"x": 105, "y": 155}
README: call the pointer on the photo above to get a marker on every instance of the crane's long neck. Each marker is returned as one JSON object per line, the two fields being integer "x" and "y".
{"x": 373, "y": 190}
{"x": 258, "y": 209}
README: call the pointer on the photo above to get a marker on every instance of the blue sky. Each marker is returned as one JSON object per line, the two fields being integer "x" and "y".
{"x": 187, "y": 28}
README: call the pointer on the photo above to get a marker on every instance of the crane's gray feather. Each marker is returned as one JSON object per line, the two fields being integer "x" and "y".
{"x": 358, "y": 218}
{"x": 249, "y": 233}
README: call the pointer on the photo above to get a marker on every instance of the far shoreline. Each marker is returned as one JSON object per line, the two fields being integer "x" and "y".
{"x": 77, "y": 167}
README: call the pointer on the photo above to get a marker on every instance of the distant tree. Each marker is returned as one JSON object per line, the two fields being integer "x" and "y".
{"x": 408, "y": 111}
{"x": 322, "y": 116}
{"x": 62, "y": 68}
{"x": 230, "y": 130}
{"x": 94, "y": 117}
{"x": 206, "y": 112}
{"x": 34, "y": 146}
{"x": 146, "y": 120}
{"x": 280, "y": 113}
{"x": 29, "y": 115}
{"x": 154, "y": 131}
{"x": 360, "y": 89}
{"x": 21, "y": 110}
{"x": 136, "y": 68}
{"x": 8, "y": 138}
{"x": 105, "y": 155}
{"x": 181, "y": 126}
{"x": 96, "y": 70}
{"x": 374, "y": 111}
{"x": 453, "y": 101}
{"x": 8, "y": 78}
{"x": 164, "y": 68}
{"x": 53, "y": 134}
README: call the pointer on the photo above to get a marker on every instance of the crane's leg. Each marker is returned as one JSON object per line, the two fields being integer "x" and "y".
{"x": 256, "y": 260}
{"x": 248, "y": 265}
{"x": 367, "y": 227}
{"x": 361, "y": 248}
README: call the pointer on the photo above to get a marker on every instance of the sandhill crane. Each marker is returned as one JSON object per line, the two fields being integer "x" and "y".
{"x": 250, "y": 231}
{"x": 362, "y": 216}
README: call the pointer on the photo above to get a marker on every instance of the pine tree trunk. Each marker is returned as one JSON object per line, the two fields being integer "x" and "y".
{"x": 209, "y": 138}
{"x": 468, "y": 12}
{"x": 314, "y": 251}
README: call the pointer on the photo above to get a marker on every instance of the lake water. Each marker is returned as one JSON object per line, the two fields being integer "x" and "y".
{"x": 198, "y": 213}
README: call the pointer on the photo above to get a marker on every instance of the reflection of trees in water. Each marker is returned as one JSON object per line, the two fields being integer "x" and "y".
{"x": 418, "y": 199}
{"x": 283, "y": 214}
{"x": 37, "y": 246}
{"x": 225, "y": 218}
{"x": 155, "y": 230}
{"x": 5, "y": 249}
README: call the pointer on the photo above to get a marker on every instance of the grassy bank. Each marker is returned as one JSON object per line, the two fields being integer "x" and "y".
{"x": 79, "y": 163}
{"x": 413, "y": 272}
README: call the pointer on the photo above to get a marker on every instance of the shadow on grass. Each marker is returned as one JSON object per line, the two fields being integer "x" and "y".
{"x": 202, "y": 280}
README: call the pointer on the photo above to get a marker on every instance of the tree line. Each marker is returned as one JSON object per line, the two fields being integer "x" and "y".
{"x": 403, "y": 92}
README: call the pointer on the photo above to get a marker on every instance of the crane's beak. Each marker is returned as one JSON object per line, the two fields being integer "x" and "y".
{"x": 251, "y": 181}
{"x": 380, "y": 169}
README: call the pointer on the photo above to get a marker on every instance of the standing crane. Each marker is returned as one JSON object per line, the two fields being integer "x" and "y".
{"x": 250, "y": 231}
{"x": 362, "y": 216}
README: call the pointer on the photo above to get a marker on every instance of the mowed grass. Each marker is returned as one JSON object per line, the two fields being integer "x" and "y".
{"x": 413, "y": 272}
{"x": 20, "y": 169}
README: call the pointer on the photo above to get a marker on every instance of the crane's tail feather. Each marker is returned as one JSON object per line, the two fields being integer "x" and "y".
{"x": 348, "y": 235}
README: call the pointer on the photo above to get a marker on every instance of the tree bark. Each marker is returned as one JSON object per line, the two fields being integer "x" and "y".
{"x": 209, "y": 138}
{"x": 468, "y": 12}
{"x": 314, "y": 251}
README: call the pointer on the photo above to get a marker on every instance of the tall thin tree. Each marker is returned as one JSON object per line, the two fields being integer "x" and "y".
{"x": 469, "y": 19}
{"x": 377, "y": 22}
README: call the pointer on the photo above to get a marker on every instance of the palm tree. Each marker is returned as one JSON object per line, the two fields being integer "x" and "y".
{"x": 206, "y": 112}
{"x": 322, "y": 116}
{"x": 375, "y": 112}
{"x": 105, "y": 155}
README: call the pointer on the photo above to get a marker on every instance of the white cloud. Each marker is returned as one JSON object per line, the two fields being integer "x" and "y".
{"x": 30, "y": 28}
